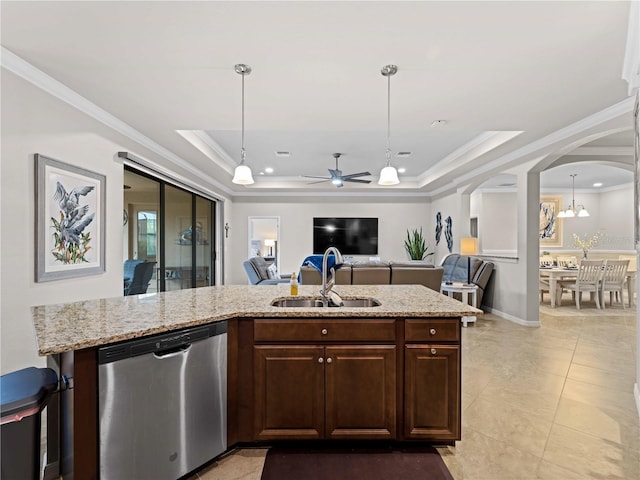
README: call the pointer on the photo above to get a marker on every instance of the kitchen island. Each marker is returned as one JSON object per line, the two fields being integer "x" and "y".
{"x": 390, "y": 372}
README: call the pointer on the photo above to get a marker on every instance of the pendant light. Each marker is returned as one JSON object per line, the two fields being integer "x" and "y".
{"x": 571, "y": 210}
{"x": 242, "y": 174}
{"x": 389, "y": 175}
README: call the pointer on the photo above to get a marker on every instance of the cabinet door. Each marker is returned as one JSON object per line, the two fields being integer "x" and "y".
{"x": 432, "y": 392}
{"x": 289, "y": 392}
{"x": 360, "y": 384}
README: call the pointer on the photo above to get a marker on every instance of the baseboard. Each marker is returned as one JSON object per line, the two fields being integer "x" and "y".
{"x": 636, "y": 395}
{"x": 51, "y": 471}
{"x": 511, "y": 318}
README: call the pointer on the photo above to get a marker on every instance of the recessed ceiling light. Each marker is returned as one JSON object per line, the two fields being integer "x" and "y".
{"x": 403, "y": 154}
{"x": 261, "y": 173}
{"x": 402, "y": 170}
{"x": 438, "y": 123}
{"x": 283, "y": 154}
{"x": 597, "y": 184}
{"x": 268, "y": 170}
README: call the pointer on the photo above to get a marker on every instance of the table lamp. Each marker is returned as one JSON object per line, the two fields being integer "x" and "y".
{"x": 468, "y": 246}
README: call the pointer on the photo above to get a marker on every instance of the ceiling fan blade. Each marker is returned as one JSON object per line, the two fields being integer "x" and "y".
{"x": 355, "y": 180}
{"x": 313, "y": 176}
{"x": 353, "y": 175}
{"x": 319, "y": 181}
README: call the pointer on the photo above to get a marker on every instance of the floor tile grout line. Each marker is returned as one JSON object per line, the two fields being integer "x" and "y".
{"x": 564, "y": 383}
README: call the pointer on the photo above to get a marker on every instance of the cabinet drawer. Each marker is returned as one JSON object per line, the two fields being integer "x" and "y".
{"x": 433, "y": 329}
{"x": 319, "y": 330}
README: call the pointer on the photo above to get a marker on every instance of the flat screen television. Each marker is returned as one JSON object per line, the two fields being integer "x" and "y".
{"x": 352, "y": 236}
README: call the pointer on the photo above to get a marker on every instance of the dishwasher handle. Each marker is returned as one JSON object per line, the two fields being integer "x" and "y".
{"x": 173, "y": 352}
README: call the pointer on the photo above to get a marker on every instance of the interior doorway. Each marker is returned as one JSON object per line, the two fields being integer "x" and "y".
{"x": 264, "y": 239}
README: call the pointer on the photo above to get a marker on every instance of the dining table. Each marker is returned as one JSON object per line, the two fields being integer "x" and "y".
{"x": 552, "y": 274}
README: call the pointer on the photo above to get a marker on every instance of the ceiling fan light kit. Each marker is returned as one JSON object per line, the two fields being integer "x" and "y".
{"x": 337, "y": 178}
{"x": 571, "y": 210}
{"x": 242, "y": 174}
{"x": 389, "y": 175}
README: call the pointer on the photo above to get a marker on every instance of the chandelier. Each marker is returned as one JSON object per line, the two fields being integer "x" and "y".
{"x": 571, "y": 210}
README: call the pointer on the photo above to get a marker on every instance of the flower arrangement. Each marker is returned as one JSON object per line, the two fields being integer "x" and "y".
{"x": 585, "y": 243}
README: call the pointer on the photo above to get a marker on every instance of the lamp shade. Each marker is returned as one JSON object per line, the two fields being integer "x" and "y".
{"x": 242, "y": 175}
{"x": 468, "y": 246}
{"x": 388, "y": 176}
{"x": 583, "y": 213}
{"x": 269, "y": 243}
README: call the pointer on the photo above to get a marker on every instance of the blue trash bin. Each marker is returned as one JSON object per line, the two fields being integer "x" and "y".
{"x": 24, "y": 395}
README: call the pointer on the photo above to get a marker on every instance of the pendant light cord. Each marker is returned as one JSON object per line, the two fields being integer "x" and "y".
{"x": 242, "y": 152}
{"x": 388, "y": 120}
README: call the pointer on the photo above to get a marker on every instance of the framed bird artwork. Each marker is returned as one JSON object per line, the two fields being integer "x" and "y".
{"x": 70, "y": 220}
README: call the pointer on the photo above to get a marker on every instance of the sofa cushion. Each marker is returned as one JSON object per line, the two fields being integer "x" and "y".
{"x": 310, "y": 276}
{"x": 261, "y": 267}
{"x": 370, "y": 274}
{"x": 408, "y": 274}
{"x": 456, "y": 268}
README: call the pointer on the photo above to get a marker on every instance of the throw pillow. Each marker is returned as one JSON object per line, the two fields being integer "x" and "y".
{"x": 272, "y": 272}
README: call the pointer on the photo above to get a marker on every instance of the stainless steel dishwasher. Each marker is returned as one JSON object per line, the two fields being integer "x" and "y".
{"x": 163, "y": 404}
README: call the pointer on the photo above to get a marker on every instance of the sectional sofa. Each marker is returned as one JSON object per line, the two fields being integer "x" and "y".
{"x": 380, "y": 273}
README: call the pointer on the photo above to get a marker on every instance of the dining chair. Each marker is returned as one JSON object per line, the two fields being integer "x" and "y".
{"x": 613, "y": 280}
{"x": 587, "y": 280}
{"x": 571, "y": 261}
{"x": 546, "y": 287}
{"x": 546, "y": 260}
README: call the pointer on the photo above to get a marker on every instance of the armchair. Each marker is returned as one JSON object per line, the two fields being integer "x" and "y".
{"x": 256, "y": 269}
{"x": 140, "y": 278}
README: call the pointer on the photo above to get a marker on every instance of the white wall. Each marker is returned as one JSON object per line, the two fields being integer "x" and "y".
{"x": 616, "y": 218}
{"x": 33, "y": 122}
{"x": 497, "y": 223}
{"x": 296, "y": 227}
{"x": 610, "y": 213}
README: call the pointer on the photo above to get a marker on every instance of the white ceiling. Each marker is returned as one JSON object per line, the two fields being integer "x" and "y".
{"x": 502, "y": 74}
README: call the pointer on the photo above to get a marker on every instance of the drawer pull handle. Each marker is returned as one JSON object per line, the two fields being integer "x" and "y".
{"x": 433, "y": 351}
{"x": 329, "y": 360}
{"x": 324, "y": 331}
{"x": 320, "y": 359}
{"x": 432, "y": 331}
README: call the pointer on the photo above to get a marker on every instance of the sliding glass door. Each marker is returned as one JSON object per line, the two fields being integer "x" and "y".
{"x": 171, "y": 227}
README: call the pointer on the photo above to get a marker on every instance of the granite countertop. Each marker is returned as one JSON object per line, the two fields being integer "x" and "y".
{"x": 90, "y": 323}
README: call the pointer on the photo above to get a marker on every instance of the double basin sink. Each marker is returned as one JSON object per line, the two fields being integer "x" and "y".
{"x": 317, "y": 302}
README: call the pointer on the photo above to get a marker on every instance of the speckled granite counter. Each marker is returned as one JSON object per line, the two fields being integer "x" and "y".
{"x": 74, "y": 326}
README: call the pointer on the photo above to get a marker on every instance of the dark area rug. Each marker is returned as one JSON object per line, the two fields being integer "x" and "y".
{"x": 285, "y": 463}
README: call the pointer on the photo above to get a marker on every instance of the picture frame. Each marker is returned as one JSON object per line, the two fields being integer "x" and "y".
{"x": 550, "y": 226}
{"x": 70, "y": 220}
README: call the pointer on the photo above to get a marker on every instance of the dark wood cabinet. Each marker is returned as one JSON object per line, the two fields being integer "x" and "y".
{"x": 347, "y": 379}
{"x": 324, "y": 391}
{"x": 432, "y": 398}
{"x": 360, "y": 389}
{"x": 432, "y": 380}
{"x": 289, "y": 392}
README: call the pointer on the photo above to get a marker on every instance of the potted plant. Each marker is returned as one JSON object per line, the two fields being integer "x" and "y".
{"x": 415, "y": 245}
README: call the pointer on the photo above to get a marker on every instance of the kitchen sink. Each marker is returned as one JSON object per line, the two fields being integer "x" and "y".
{"x": 317, "y": 302}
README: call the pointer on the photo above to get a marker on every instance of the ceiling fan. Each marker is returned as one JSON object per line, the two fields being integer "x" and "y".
{"x": 337, "y": 178}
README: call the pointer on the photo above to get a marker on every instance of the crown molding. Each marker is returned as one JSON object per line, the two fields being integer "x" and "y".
{"x": 16, "y": 65}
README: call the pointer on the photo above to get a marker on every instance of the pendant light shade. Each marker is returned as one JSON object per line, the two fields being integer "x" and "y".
{"x": 571, "y": 210}
{"x": 389, "y": 174}
{"x": 242, "y": 174}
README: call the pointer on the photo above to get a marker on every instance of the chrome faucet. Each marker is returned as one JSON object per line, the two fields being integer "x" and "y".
{"x": 327, "y": 285}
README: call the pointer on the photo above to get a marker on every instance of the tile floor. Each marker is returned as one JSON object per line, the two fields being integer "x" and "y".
{"x": 553, "y": 402}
